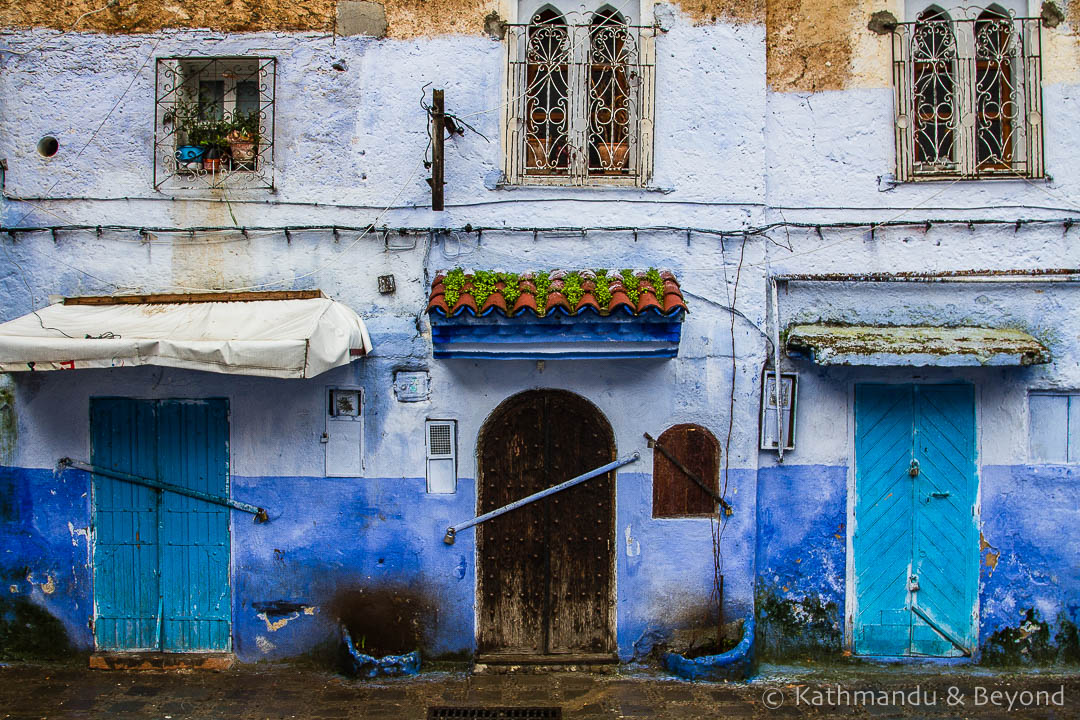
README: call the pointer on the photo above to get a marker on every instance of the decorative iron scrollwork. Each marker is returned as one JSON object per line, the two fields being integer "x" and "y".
{"x": 580, "y": 89}
{"x": 214, "y": 123}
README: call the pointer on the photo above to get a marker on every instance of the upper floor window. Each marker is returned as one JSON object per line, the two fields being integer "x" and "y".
{"x": 968, "y": 99}
{"x": 214, "y": 123}
{"x": 579, "y": 99}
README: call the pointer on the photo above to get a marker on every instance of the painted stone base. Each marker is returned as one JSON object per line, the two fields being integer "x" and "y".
{"x": 162, "y": 661}
{"x": 735, "y": 664}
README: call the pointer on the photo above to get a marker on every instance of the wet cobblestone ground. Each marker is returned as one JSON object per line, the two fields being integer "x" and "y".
{"x": 283, "y": 691}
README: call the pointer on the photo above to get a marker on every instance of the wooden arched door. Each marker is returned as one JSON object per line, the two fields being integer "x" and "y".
{"x": 545, "y": 571}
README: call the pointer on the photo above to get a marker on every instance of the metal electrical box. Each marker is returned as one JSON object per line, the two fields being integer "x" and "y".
{"x": 344, "y": 436}
{"x": 412, "y": 385}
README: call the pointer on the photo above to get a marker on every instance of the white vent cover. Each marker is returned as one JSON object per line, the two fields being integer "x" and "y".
{"x": 441, "y": 444}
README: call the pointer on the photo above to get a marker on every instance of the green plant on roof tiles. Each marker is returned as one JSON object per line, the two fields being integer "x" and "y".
{"x": 603, "y": 289}
{"x": 483, "y": 284}
{"x": 572, "y": 289}
{"x": 632, "y": 285}
{"x": 543, "y": 287}
{"x": 653, "y": 276}
{"x": 453, "y": 282}
{"x": 511, "y": 292}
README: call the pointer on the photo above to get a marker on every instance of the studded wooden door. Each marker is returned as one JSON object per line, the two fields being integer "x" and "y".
{"x": 545, "y": 576}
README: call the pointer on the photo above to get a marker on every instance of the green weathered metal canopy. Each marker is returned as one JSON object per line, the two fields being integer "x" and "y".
{"x": 914, "y": 345}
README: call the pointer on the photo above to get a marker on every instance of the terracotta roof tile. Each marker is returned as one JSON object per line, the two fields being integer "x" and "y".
{"x": 670, "y": 302}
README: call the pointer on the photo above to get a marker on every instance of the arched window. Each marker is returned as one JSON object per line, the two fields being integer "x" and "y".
{"x": 579, "y": 95}
{"x": 675, "y": 494}
{"x": 968, "y": 92}
{"x": 934, "y": 76}
{"x": 995, "y": 89}
{"x": 547, "y": 120}
{"x": 610, "y": 58}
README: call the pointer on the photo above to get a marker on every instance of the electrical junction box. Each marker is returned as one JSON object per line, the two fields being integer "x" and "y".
{"x": 412, "y": 386}
{"x": 344, "y": 436}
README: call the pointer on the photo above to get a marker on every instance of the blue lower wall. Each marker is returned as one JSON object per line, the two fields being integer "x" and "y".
{"x": 783, "y": 549}
{"x": 801, "y": 551}
{"x": 44, "y": 552}
{"x": 1030, "y": 575}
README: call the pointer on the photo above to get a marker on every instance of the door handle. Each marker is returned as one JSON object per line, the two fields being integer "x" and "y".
{"x": 913, "y": 469}
{"x": 939, "y": 494}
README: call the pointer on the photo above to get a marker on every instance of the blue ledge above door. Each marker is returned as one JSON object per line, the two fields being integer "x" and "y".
{"x": 538, "y": 325}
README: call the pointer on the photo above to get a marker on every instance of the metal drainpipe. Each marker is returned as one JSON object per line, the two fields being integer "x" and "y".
{"x": 776, "y": 368}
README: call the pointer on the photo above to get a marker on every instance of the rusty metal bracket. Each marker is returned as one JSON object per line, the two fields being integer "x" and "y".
{"x": 728, "y": 510}
{"x": 258, "y": 512}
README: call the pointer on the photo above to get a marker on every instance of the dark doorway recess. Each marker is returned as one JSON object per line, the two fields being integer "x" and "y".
{"x": 546, "y": 570}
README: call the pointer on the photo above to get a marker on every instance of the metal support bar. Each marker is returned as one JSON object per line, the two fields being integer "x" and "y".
{"x": 937, "y": 628}
{"x": 728, "y": 510}
{"x": 451, "y": 532}
{"x": 258, "y": 512}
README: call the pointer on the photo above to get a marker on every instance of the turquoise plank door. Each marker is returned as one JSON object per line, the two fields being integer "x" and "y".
{"x": 915, "y": 544}
{"x": 161, "y": 560}
{"x": 193, "y": 450}
{"x": 126, "y": 589}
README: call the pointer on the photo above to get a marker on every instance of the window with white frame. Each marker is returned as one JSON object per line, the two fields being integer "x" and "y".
{"x": 579, "y": 97}
{"x": 214, "y": 122}
{"x": 968, "y": 98}
{"x": 1054, "y": 427}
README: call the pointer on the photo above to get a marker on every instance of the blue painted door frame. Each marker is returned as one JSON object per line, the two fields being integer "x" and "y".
{"x": 915, "y": 541}
{"x": 161, "y": 560}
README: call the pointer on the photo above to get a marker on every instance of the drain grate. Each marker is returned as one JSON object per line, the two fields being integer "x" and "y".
{"x": 494, "y": 713}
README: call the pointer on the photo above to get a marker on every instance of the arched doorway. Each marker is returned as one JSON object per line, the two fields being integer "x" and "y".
{"x": 545, "y": 571}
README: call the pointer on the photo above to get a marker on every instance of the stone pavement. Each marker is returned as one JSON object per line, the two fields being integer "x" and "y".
{"x": 284, "y": 691}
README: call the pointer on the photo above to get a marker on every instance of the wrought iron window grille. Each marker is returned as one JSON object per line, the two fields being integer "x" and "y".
{"x": 579, "y": 99}
{"x": 967, "y": 95}
{"x": 214, "y": 123}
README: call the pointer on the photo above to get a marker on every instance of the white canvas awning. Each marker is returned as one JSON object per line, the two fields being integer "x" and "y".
{"x": 296, "y": 334}
{"x": 915, "y": 346}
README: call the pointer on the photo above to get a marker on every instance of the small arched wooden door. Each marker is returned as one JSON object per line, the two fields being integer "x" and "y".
{"x": 545, "y": 571}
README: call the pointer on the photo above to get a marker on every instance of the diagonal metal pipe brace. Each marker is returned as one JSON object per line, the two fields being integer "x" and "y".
{"x": 451, "y": 532}
{"x": 258, "y": 512}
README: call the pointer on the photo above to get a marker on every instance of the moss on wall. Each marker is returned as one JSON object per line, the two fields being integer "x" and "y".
{"x": 8, "y": 426}
{"x": 806, "y": 628}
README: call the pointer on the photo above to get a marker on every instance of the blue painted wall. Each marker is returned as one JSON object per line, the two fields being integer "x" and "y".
{"x": 801, "y": 540}
{"x": 1030, "y": 575}
{"x": 43, "y": 560}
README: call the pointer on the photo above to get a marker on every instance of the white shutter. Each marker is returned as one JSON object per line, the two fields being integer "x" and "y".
{"x": 441, "y": 443}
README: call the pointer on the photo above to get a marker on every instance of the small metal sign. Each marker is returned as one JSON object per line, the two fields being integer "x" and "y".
{"x": 412, "y": 386}
{"x": 788, "y": 401}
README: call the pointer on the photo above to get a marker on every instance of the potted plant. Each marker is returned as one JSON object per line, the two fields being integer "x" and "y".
{"x": 243, "y": 139}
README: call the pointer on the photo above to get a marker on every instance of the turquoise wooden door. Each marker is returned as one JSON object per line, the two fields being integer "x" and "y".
{"x": 915, "y": 542}
{"x": 161, "y": 560}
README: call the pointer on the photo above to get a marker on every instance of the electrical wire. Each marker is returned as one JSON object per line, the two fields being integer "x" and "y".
{"x": 134, "y": 77}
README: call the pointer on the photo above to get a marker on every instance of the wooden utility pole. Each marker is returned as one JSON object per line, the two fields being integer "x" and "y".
{"x": 438, "y": 122}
